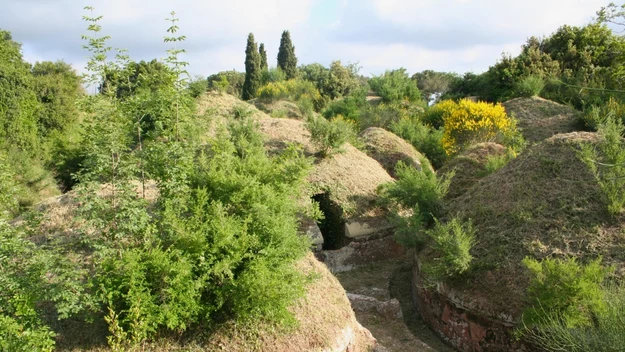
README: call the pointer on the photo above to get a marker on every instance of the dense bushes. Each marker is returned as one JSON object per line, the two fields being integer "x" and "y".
{"x": 334, "y": 82}
{"x": 530, "y": 86}
{"x": 296, "y": 90}
{"x": 419, "y": 191}
{"x": 8, "y": 189}
{"x": 415, "y": 201}
{"x": 350, "y": 107}
{"x": 272, "y": 75}
{"x": 395, "y": 86}
{"x": 578, "y": 66}
{"x": 19, "y": 108}
{"x": 451, "y": 245}
{"x": 433, "y": 85}
{"x": 566, "y": 289}
{"x": 597, "y": 114}
{"x": 218, "y": 240}
{"x": 230, "y": 82}
{"x": 38, "y": 110}
{"x": 57, "y": 86}
{"x": 330, "y": 135}
{"x": 572, "y": 307}
{"x": 606, "y": 334}
{"x": 606, "y": 160}
{"x": 21, "y": 328}
{"x": 425, "y": 139}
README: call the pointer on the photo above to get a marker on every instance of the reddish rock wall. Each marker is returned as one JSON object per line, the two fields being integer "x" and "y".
{"x": 465, "y": 329}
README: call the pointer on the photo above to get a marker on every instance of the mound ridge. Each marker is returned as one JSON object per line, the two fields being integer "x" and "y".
{"x": 469, "y": 167}
{"x": 388, "y": 149}
{"x": 543, "y": 203}
{"x": 350, "y": 178}
{"x": 280, "y": 108}
{"x": 540, "y": 118}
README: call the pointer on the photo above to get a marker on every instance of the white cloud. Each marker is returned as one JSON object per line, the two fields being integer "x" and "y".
{"x": 375, "y": 59}
{"x": 507, "y": 16}
{"x": 449, "y": 35}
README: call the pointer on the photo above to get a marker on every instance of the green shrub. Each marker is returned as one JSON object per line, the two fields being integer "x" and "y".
{"x": 596, "y": 115}
{"x": 149, "y": 288}
{"x": 66, "y": 156}
{"x": 606, "y": 334}
{"x": 330, "y": 135}
{"x": 8, "y": 190}
{"x": 19, "y": 110}
{"x": 418, "y": 191}
{"x": 606, "y": 160}
{"x": 496, "y": 162}
{"x": 198, "y": 86}
{"x": 415, "y": 201}
{"x": 241, "y": 111}
{"x": 395, "y": 86}
{"x": 34, "y": 282}
{"x": 350, "y": 107}
{"x": 230, "y": 82}
{"x": 208, "y": 247}
{"x": 272, "y": 75}
{"x": 294, "y": 90}
{"x": 433, "y": 117}
{"x": 530, "y": 86}
{"x": 218, "y": 243}
{"x": 21, "y": 328}
{"x": 564, "y": 289}
{"x": 58, "y": 87}
{"x": 425, "y": 139}
{"x": 381, "y": 115}
{"x": 451, "y": 243}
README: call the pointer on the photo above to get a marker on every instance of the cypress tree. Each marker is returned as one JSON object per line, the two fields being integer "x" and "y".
{"x": 252, "y": 69}
{"x": 264, "y": 66}
{"x": 287, "y": 61}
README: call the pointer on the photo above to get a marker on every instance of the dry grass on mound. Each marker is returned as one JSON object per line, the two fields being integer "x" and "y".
{"x": 281, "y": 132}
{"x": 469, "y": 167}
{"x": 351, "y": 177}
{"x": 388, "y": 149}
{"x": 280, "y": 109}
{"x": 216, "y": 109}
{"x": 543, "y": 203}
{"x": 540, "y": 119}
{"x": 221, "y": 104}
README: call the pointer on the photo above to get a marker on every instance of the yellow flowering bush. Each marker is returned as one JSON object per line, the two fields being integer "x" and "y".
{"x": 273, "y": 90}
{"x": 467, "y": 122}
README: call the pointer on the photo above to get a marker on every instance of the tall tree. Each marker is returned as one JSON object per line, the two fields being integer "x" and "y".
{"x": 18, "y": 101}
{"x": 58, "y": 87}
{"x": 287, "y": 61}
{"x": 264, "y": 66}
{"x": 252, "y": 69}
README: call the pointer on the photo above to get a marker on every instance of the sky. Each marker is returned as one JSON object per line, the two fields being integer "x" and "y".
{"x": 444, "y": 35}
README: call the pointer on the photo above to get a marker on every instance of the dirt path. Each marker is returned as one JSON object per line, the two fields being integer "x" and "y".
{"x": 374, "y": 287}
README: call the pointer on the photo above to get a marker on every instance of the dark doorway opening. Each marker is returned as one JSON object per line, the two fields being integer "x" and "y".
{"x": 332, "y": 226}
